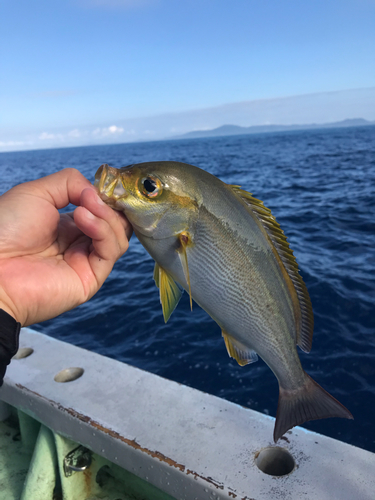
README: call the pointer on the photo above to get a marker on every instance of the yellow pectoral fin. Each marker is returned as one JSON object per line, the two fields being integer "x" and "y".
{"x": 170, "y": 293}
{"x": 184, "y": 239}
{"x": 242, "y": 354}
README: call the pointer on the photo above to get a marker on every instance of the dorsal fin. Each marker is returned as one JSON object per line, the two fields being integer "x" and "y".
{"x": 279, "y": 240}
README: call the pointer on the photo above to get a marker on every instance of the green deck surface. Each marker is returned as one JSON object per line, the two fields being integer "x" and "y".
{"x": 31, "y": 468}
{"x": 14, "y": 460}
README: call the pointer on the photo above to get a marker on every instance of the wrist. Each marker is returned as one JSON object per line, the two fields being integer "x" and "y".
{"x": 5, "y": 306}
{"x": 7, "y": 310}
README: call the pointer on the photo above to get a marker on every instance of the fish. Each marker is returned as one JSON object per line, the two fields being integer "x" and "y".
{"x": 224, "y": 247}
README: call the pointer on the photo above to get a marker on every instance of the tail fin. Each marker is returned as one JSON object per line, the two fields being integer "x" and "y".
{"x": 310, "y": 402}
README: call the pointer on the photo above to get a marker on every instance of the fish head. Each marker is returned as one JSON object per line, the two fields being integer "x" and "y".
{"x": 159, "y": 199}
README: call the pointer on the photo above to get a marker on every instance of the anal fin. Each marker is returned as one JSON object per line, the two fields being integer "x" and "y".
{"x": 236, "y": 350}
{"x": 170, "y": 292}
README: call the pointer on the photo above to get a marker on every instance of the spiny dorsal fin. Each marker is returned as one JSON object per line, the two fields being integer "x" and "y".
{"x": 236, "y": 350}
{"x": 170, "y": 293}
{"x": 279, "y": 240}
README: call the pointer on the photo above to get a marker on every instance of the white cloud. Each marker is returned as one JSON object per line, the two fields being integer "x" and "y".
{"x": 46, "y": 136}
{"x": 7, "y": 144}
{"x": 75, "y": 133}
{"x": 113, "y": 130}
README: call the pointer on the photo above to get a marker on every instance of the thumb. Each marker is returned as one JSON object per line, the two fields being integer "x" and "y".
{"x": 59, "y": 189}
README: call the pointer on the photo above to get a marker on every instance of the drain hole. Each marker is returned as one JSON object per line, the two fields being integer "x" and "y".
{"x": 68, "y": 374}
{"x": 275, "y": 461}
{"x": 23, "y": 352}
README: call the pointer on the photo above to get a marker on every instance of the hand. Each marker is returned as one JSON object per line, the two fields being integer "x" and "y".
{"x": 52, "y": 262}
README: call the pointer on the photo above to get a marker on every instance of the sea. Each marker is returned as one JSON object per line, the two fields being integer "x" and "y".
{"x": 320, "y": 185}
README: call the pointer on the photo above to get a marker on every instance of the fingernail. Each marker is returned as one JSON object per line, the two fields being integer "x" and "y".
{"x": 100, "y": 201}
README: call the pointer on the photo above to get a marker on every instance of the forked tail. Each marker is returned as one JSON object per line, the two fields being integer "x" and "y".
{"x": 310, "y": 402}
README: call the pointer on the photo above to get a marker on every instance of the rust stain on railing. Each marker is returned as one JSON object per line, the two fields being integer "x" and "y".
{"x": 131, "y": 442}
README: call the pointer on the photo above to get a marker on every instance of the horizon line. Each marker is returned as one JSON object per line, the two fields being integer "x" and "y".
{"x": 314, "y": 126}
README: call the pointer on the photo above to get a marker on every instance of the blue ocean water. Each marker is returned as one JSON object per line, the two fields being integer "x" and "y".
{"x": 320, "y": 185}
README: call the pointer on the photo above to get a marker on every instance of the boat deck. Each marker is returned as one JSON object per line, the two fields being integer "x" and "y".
{"x": 119, "y": 425}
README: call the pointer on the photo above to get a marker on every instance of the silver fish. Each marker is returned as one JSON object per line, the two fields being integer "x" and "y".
{"x": 225, "y": 248}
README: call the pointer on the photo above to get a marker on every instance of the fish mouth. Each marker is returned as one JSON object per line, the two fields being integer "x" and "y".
{"x": 108, "y": 181}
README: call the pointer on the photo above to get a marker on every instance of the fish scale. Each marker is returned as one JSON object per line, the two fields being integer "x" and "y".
{"x": 214, "y": 260}
{"x": 224, "y": 247}
{"x": 245, "y": 302}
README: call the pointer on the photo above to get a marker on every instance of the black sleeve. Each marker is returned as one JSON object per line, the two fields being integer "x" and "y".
{"x": 9, "y": 335}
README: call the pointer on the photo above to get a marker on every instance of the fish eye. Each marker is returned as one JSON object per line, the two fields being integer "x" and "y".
{"x": 151, "y": 186}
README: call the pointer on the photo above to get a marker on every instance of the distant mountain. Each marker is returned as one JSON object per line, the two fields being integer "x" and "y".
{"x": 225, "y": 130}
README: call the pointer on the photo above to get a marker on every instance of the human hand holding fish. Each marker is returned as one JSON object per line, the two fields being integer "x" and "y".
{"x": 52, "y": 262}
{"x": 226, "y": 249}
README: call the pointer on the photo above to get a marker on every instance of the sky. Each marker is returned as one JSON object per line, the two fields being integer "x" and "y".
{"x": 75, "y": 72}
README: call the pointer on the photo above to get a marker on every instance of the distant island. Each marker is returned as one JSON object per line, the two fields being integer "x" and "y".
{"x": 225, "y": 130}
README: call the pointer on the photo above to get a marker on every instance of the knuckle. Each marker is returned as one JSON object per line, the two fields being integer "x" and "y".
{"x": 71, "y": 171}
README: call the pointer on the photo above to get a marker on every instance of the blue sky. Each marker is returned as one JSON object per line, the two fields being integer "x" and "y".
{"x": 76, "y": 67}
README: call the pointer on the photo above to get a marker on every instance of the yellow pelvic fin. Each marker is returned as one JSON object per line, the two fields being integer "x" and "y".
{"x": 185, "y": 241}
{"x": 242, "y": 354}
{"x": 170, "y": 293}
